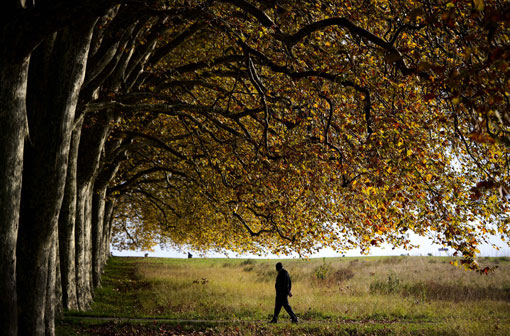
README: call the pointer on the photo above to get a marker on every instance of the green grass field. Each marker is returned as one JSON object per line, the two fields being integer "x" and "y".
{"x": 332, "y": 296}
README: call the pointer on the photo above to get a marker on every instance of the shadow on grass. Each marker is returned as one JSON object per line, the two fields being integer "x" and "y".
{"x": 118, "y": 294}
{"x": 361, "y": 328}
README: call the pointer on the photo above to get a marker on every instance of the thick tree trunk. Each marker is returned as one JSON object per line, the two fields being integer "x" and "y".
{"x": 98, "y": 208}
{"x": 13, "y": 82}
{"x": 59, "y": 308}
{"x": 51, "y": 304}
{"x": 67, "y": 221}
{"x": 91, "y": 148}
{"x": 99, "y": 228}
{"x": 55, "y": 79}
{"x": 84, "y": 292}
{"x": 88, "y": 242}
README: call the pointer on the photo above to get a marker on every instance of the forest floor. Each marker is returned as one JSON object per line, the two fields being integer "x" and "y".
{"x": 332, "y": 296}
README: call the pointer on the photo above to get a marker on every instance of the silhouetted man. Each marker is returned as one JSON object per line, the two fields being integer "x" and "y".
{"x": 283, "y": 286}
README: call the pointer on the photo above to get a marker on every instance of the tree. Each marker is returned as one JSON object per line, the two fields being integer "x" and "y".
{"x": 242, "y": 125}
{"x": 24, "y": 27}
{"x": 373, "y": 131}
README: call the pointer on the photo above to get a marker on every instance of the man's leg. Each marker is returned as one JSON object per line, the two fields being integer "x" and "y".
{"x": 288, "y": 308}
{"x": 277, "y": 307}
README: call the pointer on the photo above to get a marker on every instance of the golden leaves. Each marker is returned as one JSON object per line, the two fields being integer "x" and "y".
{"x": 479, "y": 5}
{"x": 321, "y": 177}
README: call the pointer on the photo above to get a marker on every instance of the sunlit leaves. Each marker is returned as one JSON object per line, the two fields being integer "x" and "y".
{"x": 394, "y": 119}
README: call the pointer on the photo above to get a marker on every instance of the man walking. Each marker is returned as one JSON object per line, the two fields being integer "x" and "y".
{"x": 283, "y": 286}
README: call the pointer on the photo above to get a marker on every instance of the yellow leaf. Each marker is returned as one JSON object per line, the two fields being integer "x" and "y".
{"x": 479, "y": 5}
{"x": 409, "y": 152}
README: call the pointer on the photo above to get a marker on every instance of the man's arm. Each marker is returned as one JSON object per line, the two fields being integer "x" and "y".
{"x": 290, "y": 285}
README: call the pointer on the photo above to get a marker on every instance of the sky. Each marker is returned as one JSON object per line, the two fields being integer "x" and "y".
{"x": 426, "y": 246}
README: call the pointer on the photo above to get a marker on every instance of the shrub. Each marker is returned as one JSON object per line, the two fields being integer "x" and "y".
{"x": 392, "y": 285}
{"x": 343, "y": 274}
{"x": 247, "y": 262}
{"x": 322, "y": 271}
{"x": 392, "y": 260}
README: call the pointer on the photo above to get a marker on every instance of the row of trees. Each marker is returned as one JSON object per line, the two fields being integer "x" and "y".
{"x": 242, "y": 125}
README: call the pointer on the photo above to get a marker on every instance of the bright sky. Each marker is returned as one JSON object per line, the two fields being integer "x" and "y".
{"x": 426, "y": 247}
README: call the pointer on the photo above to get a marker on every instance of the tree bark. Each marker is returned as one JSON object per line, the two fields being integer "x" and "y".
{"x": 90, "y": 150}
{"x": 83, "y": 290}
{"x": 98, "y": 208}
{"x": 108, "y": 219}
{"x": 13, "y": 83}
{"x": 88, "y": 242}
{"x": 59, "y": 308}
{"x": 51, "y": 304}
{"x": 98, "y": 217}
{"x": 67, "y": 221}
{"x": 55, "y": 78}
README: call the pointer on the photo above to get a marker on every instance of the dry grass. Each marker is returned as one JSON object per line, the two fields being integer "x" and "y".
{"x": 376, "y": 288}
{"x": 348, "y": 296}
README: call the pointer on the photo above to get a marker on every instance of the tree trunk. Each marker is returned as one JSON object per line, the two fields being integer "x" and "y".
{"x": 98, "y": 208}
{"x": 13, "y": 83}
{"x": 101, "y": 228}
{"x": 67, "y": 221}
{"x": 51, "y": 305}
{"x": 108, "y": 219}
{"x": 55, "y": 78}
{"x": 88, "y": 242}
{"x": 91, "y": 147}
{"x": 59, "y": 308}
{"x": 83, "y": 289}
{"x": 108, "y": 172}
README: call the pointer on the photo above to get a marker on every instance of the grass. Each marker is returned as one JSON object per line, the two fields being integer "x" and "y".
{"x": 333, "y": 296}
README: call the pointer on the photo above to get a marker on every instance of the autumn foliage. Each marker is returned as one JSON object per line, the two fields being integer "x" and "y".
{"x": 296, "y": 125}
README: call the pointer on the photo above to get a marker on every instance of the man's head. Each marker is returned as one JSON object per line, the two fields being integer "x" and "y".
{"x": 279, "y": 266}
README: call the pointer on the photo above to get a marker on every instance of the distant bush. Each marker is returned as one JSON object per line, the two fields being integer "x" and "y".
{"x": 248, "y": 265}
{"x": 392, "y": 260}
{"x": 203, "y": 281}
{"x": 497, "y": 260}
{"x": 327, "y": 275}
{"x": 247, "y": 262}
{"x": 322, "y": 271}
{"x": 432, "y": 290}
{"x": 391, "y": 285}
{"x": 264, "y": 273}
{"x": 343, "y": 274}
{"x": 354, "y": 262}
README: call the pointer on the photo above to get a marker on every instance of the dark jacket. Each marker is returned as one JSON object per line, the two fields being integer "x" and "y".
{"x": 283, "y": 284}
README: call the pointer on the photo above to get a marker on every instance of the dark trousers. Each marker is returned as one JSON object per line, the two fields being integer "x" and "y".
{"x": 283, "y": 301}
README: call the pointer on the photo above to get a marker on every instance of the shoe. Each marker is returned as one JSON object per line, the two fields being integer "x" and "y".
{"x": 273, "y": 321}
{"x": 295, "y": 321}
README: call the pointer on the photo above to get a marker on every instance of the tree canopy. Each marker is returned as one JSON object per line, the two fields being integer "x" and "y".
{"x": 262, "y": 126}
{"x": 294, "y": 126}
